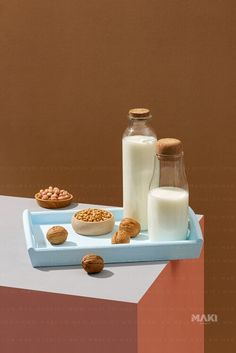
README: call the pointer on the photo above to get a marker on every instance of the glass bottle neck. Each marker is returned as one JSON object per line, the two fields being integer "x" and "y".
{"x": 138, "y": 126}
{"x": 139, "y": 121}
{"x": 170, "y": 173}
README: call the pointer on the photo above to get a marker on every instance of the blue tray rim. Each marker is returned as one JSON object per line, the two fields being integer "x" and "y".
{"x": 29, "y": 241}
{"x": 119, "y": 253}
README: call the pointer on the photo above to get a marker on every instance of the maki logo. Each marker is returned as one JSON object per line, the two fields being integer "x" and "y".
{"x": 204, "y": 318}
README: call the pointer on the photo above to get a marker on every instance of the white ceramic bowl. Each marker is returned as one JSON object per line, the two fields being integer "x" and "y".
{"x": 93, "y": 228}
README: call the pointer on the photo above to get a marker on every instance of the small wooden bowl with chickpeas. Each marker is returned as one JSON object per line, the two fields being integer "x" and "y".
{"x": 53, "y": 197}
{"x": 93, "y": 221}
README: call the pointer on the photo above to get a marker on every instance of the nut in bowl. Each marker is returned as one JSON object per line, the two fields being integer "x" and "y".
{"x": 93, "y": 221}
{"x": 53, "y": 197}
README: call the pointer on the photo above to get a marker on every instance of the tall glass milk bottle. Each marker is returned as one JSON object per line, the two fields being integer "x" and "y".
{"x": 168, "y": 196}
{"x": 138, "y": 150}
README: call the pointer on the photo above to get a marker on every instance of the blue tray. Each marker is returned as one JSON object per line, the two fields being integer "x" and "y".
{"x": 42, "y": 253}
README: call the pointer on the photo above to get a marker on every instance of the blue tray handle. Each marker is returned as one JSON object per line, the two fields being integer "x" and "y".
{"x": 195, "y": 229}
{"x": 27, "y": 229}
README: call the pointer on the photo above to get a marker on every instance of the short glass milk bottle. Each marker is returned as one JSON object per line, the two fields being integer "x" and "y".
{"x": 138, "y": 158}
{"x": 168, "y": 197}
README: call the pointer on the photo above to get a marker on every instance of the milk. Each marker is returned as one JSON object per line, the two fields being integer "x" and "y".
{"x": 167, "y": 214}
{"x": 138, "y": 164}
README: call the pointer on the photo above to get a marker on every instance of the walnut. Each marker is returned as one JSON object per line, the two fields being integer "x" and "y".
{"x": 57, "y": 235}
{"x": 120, "y": 237}
{"x": 130, "y": 226}
{"x": 92, "y": 263}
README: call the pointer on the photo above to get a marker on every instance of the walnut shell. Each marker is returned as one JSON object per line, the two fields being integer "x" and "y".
{"x": 57, "y": 235}
{"x": 92, "y": 263}
{"x": 120, "y": 237}
{"x": 130, "y": 226}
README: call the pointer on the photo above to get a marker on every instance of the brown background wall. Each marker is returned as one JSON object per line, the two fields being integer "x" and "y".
{"x": 70, "y": 70}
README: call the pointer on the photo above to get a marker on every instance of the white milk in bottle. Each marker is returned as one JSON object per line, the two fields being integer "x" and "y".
{"x": 167, "y": 213}
{"x": 168, "y": 201}
{"x": 138, "y": 157}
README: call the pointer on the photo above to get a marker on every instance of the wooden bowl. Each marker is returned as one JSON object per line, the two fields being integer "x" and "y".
{"x": 53, "y": 203}
{"x": 93, "y": 228}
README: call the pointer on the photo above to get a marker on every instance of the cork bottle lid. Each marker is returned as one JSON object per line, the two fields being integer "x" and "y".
{"x": 169, "y": 147}
{"x": 139, "y": 113}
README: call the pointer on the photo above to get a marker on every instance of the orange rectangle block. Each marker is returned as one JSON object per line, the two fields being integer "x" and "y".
{"x": 166, "y": 313}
